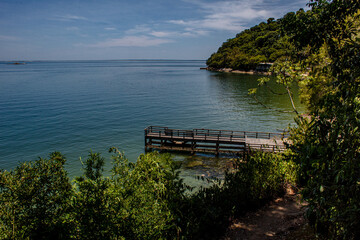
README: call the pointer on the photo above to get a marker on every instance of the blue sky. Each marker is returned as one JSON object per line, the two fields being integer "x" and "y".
{"x": 127, "y": 29}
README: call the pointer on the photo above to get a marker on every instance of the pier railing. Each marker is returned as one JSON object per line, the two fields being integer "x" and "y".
{"x": 210, "y": 140}
{"x": 211, "y": 133}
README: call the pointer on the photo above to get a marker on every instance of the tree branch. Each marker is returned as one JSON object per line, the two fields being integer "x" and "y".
{"x": 265, "y": 106}
{"x": 291, "y": 99}
{"x": 273, "y": 92}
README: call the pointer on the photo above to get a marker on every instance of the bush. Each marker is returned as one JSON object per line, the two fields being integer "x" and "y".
{"x": 142, "y": 200}
{"x": 35, "y": 200}
{"x": 91, "y": 202}
{"x": 148, "y": 194}
{"x": 255, "y": 180}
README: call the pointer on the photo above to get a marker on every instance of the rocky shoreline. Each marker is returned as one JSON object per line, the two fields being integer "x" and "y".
{"x": 230, "y": 70}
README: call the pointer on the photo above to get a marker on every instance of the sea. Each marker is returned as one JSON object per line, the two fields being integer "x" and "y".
{"x": 75, "y": 107}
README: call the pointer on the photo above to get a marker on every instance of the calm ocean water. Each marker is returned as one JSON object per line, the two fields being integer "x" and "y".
{"x": 77, "y": 106}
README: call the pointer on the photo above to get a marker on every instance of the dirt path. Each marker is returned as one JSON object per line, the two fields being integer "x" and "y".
{"x": 281, "y": 219}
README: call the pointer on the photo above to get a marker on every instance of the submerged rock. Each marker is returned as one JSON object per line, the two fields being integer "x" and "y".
{"x": 196, "y": 163}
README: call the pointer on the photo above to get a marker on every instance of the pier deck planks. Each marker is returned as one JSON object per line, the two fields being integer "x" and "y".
{"x": 212, "y": 141}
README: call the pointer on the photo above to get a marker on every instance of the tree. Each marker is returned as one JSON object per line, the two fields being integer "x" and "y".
{"x": 91, "y": 201}
{"x": 328, "y": 146}
{"x": 35, "y": 200}
{"x": 149, "y": 195}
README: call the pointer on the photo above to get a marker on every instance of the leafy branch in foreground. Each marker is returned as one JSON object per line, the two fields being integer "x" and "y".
{"x": 327, "y": 147}
{"x": 286, "y": 75}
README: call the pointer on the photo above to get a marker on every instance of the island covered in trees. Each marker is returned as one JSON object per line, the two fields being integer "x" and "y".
{"x": 261, "y": 45}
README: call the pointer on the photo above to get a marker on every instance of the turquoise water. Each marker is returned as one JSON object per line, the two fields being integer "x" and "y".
{"x": 77, "y": 106}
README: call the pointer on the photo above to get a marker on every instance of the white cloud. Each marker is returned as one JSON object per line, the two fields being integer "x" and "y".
{"x": 144, "y": 30}
{"x": 73, "y": 17}
{"x": 230, "y": 15}
{"x": 195, "y": 32}
{"x": 226, "y": 15}
{"x": 161, "y": 34}
{"x": 132, "y": 41}
{"x": 69, "y": 17}
{"x": 8, "y": 38}
{"x": 73, "y": 28}
{"x": 138, "y": 29}
{"x": 187, "y": 33}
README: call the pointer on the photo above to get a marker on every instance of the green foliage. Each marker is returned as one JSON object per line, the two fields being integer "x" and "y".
{"x": 287, "y": 74}
{"x": 254, "y": 181}
{"x": 327, "y": 146}
{"x": 91, "y": 201}
{"x": 139, "y": 201}
{"x": 34, "y": 200}
{"x": 302, "y": 28}
{"x": 148, "y": 195}
{"x": 142, "y": 200}
{"x": 317, "y": 78}
{"x": 261, "y": 43}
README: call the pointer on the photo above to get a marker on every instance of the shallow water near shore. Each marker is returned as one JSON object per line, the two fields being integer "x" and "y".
{"x": 77, "y": 106}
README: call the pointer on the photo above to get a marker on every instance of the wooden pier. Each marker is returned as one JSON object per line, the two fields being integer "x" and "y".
{"x": 212, "y": 141}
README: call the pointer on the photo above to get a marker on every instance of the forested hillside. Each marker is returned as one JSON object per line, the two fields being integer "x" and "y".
{"x": 265, "y": 42}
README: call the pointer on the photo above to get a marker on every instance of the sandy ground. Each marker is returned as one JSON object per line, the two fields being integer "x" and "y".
{"x": 281, "y": 219}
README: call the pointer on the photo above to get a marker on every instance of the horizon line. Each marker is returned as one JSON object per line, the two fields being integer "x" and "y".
{"x": 130, "y": 59}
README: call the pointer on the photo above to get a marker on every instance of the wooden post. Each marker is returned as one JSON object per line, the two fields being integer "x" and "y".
{"x": 146, "y": 147}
